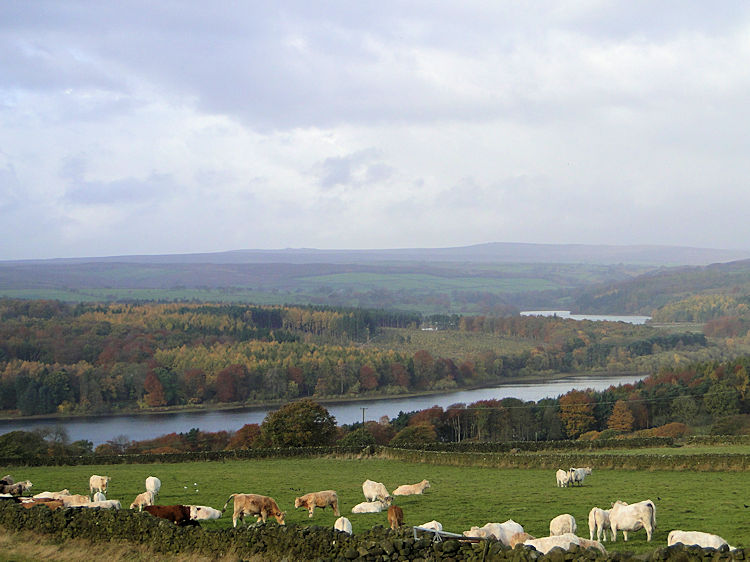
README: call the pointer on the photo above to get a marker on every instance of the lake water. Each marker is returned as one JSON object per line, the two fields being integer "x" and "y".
{"x": 101, "y": 429}
{"x": 600, "y": 317}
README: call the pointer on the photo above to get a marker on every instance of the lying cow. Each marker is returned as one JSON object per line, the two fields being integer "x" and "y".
{"x": 254, "y": 504}
{"x": 203, "y": 512}
{"x": 598, "y": 523}
{"x": 51, "y": 495}
{"x": 105, "y": 504}
{"x": 395, "y": 517}
{"x": 411, "y": 489}
{"x": 142, "y": 500}
{"x": 500, "y": 531}
{"x": 434, "y": 525}
{"x": 344, "y": 525}
{"x": 369, "y": 507}
{"x": 545, "y": 544}
{"x": 322, "y": 500}
{"x": 75, "y": 500}
{"x": 52, "y": 504}
{"x": 518, "y": 538}
{"x": 562, "y": 524}
{"x": 698, "y": 538}
{"x": 376, "y": 491}
{"x": 16, "y": 488}
{"x": 177, "y": 514}
{"x": 633, "y": 517}
{"x": 98, "y": 484}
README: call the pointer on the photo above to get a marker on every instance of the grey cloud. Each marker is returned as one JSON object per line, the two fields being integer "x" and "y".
{"x": 353, "y": 170}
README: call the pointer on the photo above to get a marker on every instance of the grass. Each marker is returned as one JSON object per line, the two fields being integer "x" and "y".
{"x": 459, "y": 497}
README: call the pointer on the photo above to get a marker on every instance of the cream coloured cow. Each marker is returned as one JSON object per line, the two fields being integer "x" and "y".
{"x": 501, "y": 531}
{"x": 411, "y": 489}
{"x": 255, "y": 505}
{"x": 376, "y": 491}
{"x": 598, "y": 523}
{"x": 563, "y": 478}
{"x": 344, "y": 525}
{"x": 106, "y": 504}
{"x": 545, "y": 544}
{"x": 434, "y": 525}
{"x": 75, "y": 500}
{"x": 632, "y": 517}
{"x": 203, "y": 512}
{"x": 369, "y": 507}
{"x": 51, "y": 495}
{"x": 142, "y": 500}
{"x": 98, "y": 497}
{"x": 698, "y": 538}
{"x": 562, "y": 524}
{"x": 153, "y": 484}
{"x": 98, "y": 484}
{"x": 322, "y": 500}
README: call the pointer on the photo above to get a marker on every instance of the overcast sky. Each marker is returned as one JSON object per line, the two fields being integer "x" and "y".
{"x": 192, "y": 126}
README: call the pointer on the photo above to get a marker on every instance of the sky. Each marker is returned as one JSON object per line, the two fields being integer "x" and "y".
{"x": 141, "y": 127}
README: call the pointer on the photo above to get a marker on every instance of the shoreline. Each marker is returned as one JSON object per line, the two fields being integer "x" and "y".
{"x": 531, "y": 379}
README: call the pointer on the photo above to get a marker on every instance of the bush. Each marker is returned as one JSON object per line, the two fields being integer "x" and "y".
{"x": 360, "y": 437}
{"x": 738, "y": 424}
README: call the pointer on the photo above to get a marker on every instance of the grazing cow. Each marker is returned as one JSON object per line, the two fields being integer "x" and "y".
{"x": 633, "y": 517}
{"x": 563, "y": 478}
{"x": 153, "y": 484}
{"x": 434, "y": 525}
{"x": 203, "y": 512}
{"x": 106, "y": 504}
{"x": 51, "y": 495}
{"x": 52, "y": 504}
{"x": 501, "y": 531}
{"x": 99, "y": 497}
{"x": 344, "y": 525}
{"x": 698, "y": 538}
{"x": 98, "y": 484}
{"x": 545, "y": 544}
{"x": 598, "y": 523}
{"x": 395, "y": 517}
{"x": 177, "y": 514}
{"x": 562, "y": 524}
{"x": 376, "y": 491}
{"x": 369, "y": 507}
{"x": 318, "y": 499}
{"x": 578, "y": 474}
{"x": 75, "y": 500}
{"x": 411, "y": 489}
{"x": 254, "y": 504}
{"x": 142, "y": 500}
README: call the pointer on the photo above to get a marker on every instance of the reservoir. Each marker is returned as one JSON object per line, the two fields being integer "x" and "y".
{"x": 148, "y": 426}
{"x": 630, "y": 319}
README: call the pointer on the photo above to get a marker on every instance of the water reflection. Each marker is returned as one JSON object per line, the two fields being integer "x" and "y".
{"x": 100, "y": 429}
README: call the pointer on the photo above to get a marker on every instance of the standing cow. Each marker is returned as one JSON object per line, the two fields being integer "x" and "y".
{"x": 322, "y": 500}
{"x": 633, "y": 517}
{"x": 254, "y": 504}
{"x": 98, "y": 484}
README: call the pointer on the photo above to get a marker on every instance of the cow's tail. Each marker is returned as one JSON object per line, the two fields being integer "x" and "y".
{"x": 653, "y": 513}
{"x": 223, "y": 509}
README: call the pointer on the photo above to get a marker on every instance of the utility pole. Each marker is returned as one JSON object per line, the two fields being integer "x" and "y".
{"x": 363, "y": 416}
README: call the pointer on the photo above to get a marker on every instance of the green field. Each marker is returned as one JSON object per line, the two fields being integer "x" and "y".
{"x": 459, "y": 497}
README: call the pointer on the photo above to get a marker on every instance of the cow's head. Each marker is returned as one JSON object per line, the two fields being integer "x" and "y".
{"x": 280, "y": 517}
{"x": 298, "y": 502}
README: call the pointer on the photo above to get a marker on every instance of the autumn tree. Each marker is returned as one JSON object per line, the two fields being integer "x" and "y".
{"x": 420, "y": 434}
{"x": 244, "y": 437}
{"x": 304, "y": 423}
{"x": 154, "y": 390}
{"x": 577, "y": 413}
{"x": 621, "y": 418}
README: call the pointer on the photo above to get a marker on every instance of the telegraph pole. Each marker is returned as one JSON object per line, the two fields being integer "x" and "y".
{"x": 363, "y": 416}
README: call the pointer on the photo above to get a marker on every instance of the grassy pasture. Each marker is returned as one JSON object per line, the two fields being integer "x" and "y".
{"x": 459, "y": 496}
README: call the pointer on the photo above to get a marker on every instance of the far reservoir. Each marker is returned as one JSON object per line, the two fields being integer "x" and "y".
{"x": 148, "y": 426}
{"x": 594, "y": 317}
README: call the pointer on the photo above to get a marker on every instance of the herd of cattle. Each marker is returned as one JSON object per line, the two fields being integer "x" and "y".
{"x": 562, "y": 529}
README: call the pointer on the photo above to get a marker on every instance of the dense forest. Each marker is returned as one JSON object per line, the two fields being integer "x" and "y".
{"x": 100, "y": 358}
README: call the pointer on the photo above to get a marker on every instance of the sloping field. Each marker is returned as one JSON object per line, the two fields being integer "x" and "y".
{"x": 459, "y": 497}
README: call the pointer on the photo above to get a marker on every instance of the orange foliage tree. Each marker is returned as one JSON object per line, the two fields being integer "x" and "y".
{"x": 577, "y": 413}
{"x": 621, "y": 418}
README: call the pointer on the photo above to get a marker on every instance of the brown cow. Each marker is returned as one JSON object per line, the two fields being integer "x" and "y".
{"x": 52, "y": 504}
{"x": 177, "y": 514}
{"x": 254, "y": 504}
{"x": 395, "y": 517}
{"x": 318, "y": 499}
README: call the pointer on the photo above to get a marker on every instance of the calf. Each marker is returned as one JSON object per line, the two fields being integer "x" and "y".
{"x": 344, "y": 525}
{"x": 142, "y": 500}
{"x": 395, "y": 517}
{"x": 177, "y": 514}
{"x": 318, "y": 499}
{"x": 254, "y": 504}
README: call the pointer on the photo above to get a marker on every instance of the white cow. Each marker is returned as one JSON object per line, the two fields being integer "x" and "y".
{"x": 598, "y": 523}
{"x": 98, "y": 484}
{"x": 562, "y": 524}
{"x": 698, "y": 538}
{"x": 344, "y": 525}
{"x": 142, "y": 500}
{"x": 563, "y": 478}
{"x": 51, "y": 495}
{"x": 369, "y": 507}
{"x": 203, "y": 512}
{"x": 545, "y": 544}
{"x": 99, "y": 497}
{"x": 501, "y": 531}
{"x": 434, "y": 525}
{"x": 633, "y": 517}
{"x": 376, "y": 491}
{"x": 578, "y": 474}
{"x": 106, "y": 504}
{"x": 411, "y": 489}
{"x": 153, "y": 484}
